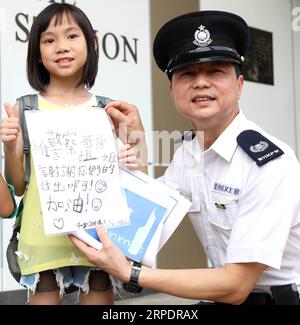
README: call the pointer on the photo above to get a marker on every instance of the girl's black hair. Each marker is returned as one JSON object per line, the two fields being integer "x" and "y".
{"x": 37, "y": 75}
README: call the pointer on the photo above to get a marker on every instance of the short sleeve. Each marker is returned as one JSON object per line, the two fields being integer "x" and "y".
{"x": 265, "y": 216}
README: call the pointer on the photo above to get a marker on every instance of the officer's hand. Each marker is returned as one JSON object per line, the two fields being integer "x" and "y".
{"x": 128, "y": 156}
{"x": 130, "y": 129}
{"x": 109, "y": 258}
{"x": 126, "y": 120}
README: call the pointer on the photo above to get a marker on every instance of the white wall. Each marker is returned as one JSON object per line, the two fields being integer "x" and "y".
{"x": 272, "y": 107}
{"x": 129, "y": 81}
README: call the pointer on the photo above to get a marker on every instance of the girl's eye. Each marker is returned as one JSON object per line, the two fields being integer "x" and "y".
{"x": 48, "y": 41}
{"x": 72, "y": 36}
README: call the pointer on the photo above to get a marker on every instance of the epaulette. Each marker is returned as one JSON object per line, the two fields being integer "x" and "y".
{"x": 258, "y": 147}
{"x": 187, "y": 136}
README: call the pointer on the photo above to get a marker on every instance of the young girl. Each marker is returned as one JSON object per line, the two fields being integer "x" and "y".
{"x": 7, "y": 202}
{"x": 62, "y": 64}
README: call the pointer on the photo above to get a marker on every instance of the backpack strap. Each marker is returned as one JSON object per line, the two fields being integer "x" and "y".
{"x": 102, "y": 101}
{"x": 27, "y": 102}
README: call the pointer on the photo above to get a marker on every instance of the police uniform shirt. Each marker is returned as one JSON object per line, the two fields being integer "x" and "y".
{"x": 242, "y": 212}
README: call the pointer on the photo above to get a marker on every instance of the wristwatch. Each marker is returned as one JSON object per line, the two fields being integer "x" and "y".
{"x": 132, "y": 285}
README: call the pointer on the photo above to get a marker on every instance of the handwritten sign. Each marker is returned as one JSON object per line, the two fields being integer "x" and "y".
{"x": 76, "y": 166}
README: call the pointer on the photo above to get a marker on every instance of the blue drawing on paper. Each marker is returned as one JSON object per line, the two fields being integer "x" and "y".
{"x": 133, "y": 239}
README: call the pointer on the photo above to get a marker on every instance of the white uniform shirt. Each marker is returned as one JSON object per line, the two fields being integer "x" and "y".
{"x": 241, "y": 212}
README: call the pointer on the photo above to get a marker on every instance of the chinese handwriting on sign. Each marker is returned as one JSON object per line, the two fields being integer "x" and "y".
{"x": 77, "y": 169}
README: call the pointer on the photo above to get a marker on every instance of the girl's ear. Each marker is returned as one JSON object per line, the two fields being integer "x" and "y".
{"x": 96, "y": 41}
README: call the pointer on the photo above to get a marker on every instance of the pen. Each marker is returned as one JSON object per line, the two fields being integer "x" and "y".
{"x": 220, "y": 205}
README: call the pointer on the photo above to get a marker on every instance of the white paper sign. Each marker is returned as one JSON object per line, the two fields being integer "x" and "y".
{"x": 76, "y": 166}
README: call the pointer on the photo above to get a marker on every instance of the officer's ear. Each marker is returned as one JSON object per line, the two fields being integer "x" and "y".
{"x": 171, "y": 89}
{"x": 240, "y": 85}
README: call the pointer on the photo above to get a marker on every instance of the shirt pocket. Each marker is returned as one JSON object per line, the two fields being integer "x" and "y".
{"x": 222, "y": 212}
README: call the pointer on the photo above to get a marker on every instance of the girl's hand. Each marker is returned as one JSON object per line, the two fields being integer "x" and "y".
{"x": 10, "y": 128}
{"x": 128, "y": 157}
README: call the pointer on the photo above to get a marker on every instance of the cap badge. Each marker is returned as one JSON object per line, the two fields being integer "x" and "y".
{"x": 260, "y": 147}
{"x": 202, "y": 37}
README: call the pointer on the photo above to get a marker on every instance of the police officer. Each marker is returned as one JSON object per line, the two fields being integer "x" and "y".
{"x": 243, "y": 182}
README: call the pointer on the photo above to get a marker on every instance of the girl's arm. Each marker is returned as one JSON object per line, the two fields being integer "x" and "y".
{"x": 12, "y": 138}
{"x": 7, "y": 205}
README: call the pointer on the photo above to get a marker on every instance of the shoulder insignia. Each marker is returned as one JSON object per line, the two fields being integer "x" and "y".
{"x": 187, "y": 136}
{"x": 259, "y": 148}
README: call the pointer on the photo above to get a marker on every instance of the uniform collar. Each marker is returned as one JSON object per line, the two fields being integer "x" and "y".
{"x": 226, "y": 143}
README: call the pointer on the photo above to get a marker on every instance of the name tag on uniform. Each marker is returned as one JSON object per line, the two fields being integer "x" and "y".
{"x": 226, "y": 190}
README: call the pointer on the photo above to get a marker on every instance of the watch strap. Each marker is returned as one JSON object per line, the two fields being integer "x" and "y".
{"x": 132, "y": 285}
{"x": 135, "y": 272}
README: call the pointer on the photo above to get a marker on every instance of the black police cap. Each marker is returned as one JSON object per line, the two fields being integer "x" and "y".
{"x": 200, "y": 36}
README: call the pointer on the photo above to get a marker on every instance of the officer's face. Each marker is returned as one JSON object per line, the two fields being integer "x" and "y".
{"x": 207, "y": 94}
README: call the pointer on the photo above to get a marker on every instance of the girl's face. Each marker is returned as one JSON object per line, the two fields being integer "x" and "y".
{"x": 63, "y": 49}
